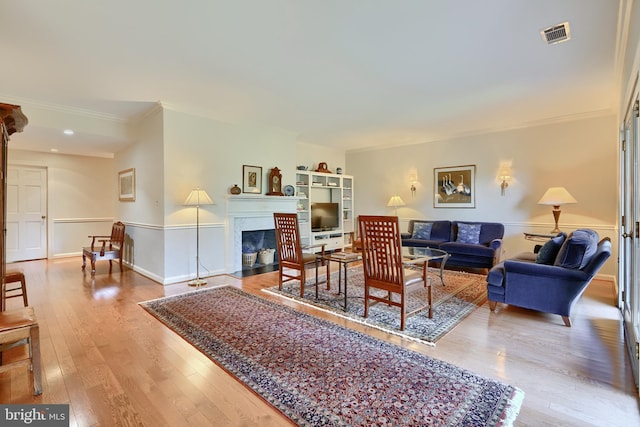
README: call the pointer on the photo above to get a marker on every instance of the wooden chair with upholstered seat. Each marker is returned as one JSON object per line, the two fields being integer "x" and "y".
{"x": 105, "y": 248}
{"x": 384, "y": 269}
{"x": 18, "y": 328}
{"x": 291, "y": 260}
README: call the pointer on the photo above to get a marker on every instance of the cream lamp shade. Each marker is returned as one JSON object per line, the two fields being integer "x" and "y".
{"x": 198, "y": 197}
{"x": 394, "y": 202}
{"x": 556, "y": 196}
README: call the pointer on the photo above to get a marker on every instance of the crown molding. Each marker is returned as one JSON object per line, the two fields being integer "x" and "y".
{"x": 63, "y": 108}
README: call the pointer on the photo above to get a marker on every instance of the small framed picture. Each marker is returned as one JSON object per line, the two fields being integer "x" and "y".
{"x": 454, "y": 187}
{"x": 127, "y": 185}
{"x": 251, "y": 179}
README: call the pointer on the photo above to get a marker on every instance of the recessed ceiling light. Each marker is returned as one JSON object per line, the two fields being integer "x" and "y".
{"x": 68, "y": 132}
{"x": 54, "y": 150}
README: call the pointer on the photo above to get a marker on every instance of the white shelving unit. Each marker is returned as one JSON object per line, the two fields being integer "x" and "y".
{"x": 316, "y": 187}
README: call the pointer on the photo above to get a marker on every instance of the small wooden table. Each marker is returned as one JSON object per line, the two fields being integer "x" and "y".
{"x": 538, "y": 237}
{"x": 344, "y": 261}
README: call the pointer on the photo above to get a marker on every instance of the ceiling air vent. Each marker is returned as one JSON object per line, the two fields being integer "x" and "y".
{"x": 556, "y": 34}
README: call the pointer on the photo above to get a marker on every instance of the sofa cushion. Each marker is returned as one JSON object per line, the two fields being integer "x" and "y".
{"x": 422, "y": 230}
{"x": 469, "y": 233}
{"x": 549, "y": 251}
{"x": 577, "y": 249}
{"x": 467, "y": 249}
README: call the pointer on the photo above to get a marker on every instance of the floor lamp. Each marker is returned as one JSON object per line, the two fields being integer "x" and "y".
{"x": 198, "y": 198}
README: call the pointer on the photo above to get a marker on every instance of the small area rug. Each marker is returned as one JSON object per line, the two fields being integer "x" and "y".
{"x": 462, "y": 293}
{"x": 318, "y": 373}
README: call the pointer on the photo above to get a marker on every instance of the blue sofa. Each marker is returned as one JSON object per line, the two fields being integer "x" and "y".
{"x": 470, "y": 244}
{"x": 552, "y": 280}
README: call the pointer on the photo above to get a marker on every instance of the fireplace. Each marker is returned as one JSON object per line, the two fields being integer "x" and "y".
{"x": 251, "y": 213}
{"x": 259, "y": 251}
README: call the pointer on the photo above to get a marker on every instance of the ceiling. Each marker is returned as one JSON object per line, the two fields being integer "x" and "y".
{"x": 346, "y": 74}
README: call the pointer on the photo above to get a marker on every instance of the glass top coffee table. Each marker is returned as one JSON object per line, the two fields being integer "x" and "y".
{"x": 420, "y": 257}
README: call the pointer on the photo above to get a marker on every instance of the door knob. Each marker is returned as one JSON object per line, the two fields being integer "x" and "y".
{"x": 43, "y": 217}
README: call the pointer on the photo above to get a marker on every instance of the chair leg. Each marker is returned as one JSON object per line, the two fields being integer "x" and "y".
{"x": 84, "y": 261}
{"x": 303, "y": 280}
{"x": 492, "y": 305}
{"x": 24, "y": 291}
{"x": 567, "y": 321}
{"x": 36, "y": 364}
{"x": 110, "y": 266}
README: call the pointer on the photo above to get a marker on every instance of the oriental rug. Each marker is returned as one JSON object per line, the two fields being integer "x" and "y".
{"x": 318, "y": 373}
{"x": 459, "y": 297}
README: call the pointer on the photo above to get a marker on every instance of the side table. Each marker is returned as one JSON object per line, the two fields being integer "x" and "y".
{"x": 344, "y": 260}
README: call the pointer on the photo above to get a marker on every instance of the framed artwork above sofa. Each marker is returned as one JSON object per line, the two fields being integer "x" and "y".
{"x": 454, "y": 187}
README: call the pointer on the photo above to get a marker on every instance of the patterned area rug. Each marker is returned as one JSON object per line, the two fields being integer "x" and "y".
{"x": 462, "y": 293}
{"x": 318, "y": 373}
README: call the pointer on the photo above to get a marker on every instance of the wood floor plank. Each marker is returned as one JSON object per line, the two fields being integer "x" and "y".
{"x": 117, "y": 365}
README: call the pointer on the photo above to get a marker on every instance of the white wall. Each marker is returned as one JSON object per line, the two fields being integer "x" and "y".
{"x": 144, "y": 217}
{"x": 580, "y": 155}
{"x": 80, "y": 198}
{"x": 177, "y": 152}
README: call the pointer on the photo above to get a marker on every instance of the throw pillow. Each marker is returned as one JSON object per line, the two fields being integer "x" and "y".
{"x": 577, "y": 249}
{"x": 422, "y": 230}
{"x": 469, "y": 233}
{"x": 549, "y": 251}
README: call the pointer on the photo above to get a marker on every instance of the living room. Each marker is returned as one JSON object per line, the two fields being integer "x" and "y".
{"x": 174, "y": 149}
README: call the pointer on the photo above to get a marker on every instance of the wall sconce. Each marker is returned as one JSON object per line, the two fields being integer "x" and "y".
{"x": 413, "y": 179}
{"x": 505, "y": 178}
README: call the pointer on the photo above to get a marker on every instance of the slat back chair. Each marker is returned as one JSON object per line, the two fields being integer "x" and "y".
{"x": 383, "y": 266}
{"x": 105, "y": 248}
{"x": 291, "y": 260}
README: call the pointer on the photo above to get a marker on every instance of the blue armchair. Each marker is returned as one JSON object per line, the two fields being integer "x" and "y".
{"x": 553, "y": 280}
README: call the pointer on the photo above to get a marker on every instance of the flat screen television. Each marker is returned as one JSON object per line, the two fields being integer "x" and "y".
{"x": 325, "y": 216}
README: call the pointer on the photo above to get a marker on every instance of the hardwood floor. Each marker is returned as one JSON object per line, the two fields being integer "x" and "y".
{"x": 116, "y": 365}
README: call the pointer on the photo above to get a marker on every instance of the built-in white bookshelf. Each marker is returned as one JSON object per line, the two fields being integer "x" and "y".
{"x": 318, "y": 187}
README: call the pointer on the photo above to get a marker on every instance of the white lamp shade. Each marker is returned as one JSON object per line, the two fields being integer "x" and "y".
{"x": 557, "y": 196}
{"x": 395, "y": 201}
{"x": 198, "y": 197}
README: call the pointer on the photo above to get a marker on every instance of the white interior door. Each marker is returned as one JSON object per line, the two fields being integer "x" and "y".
{"x": 629, "y": 246}
{"x": 26, "y": 223}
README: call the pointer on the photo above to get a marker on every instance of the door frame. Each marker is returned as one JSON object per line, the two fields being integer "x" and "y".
{"x": 629, "y": 242}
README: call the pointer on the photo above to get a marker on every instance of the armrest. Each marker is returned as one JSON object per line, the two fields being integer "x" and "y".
{"x": 93, "y": 239}
{"x": 495, "y": 244}
{"x": 405, "y": 235}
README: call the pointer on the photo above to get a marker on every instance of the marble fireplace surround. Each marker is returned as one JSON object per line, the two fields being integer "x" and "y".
{"x": 249, "y": 213}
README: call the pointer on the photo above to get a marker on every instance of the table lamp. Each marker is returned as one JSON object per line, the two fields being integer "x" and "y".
{"x": 556, "y": 196}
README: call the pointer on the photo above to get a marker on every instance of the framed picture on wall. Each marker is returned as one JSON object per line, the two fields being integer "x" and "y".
{"x": 127, "y": 185}
{"x": 454, "y": 187}
{"x": 251, "y": 179}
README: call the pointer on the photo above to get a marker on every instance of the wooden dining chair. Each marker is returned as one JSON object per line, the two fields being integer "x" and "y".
{"x": 105, "y": 248}
{"x": 384, "y": 268}
{"x": 20, "y": 328}
{"x": 292, "y": 261}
